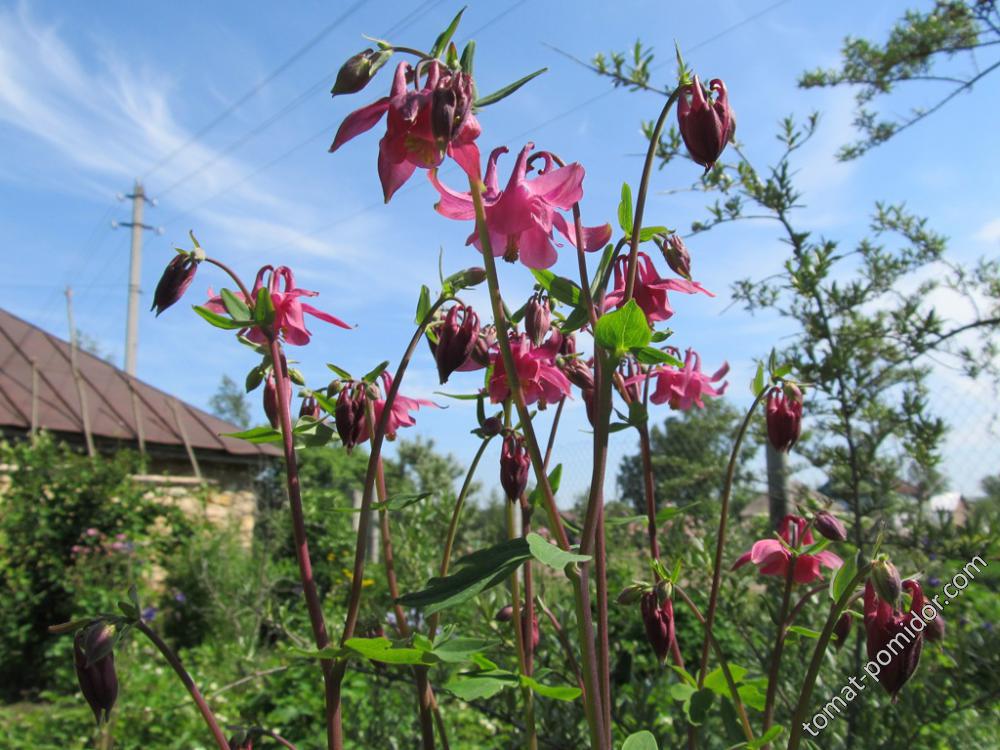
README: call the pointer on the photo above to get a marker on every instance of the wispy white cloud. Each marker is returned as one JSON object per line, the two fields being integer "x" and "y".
{"x": 989, "y": 232}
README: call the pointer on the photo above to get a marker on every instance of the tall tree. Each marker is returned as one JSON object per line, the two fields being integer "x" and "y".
{"x": 230, "y": 402}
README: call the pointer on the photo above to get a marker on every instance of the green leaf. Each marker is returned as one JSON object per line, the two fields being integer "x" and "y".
{"x": 623, "y": 330}
{"x": 506, "y": 90}
{"x": 769, "y": 736}
{"x": 551, "y": 555}
{"x": 129, "y": 610}
{"x": 461, "y": 649}
{"x": 236, "y": 307}
{"x": 649, "y": 355}
{"x": 370, "y": 377}
{"x": 401, "y": 501}
{"x": 561, "y": 288}
{"x": 684, "y": 675}
{"x": 623, "y": 520}
{"x": 625, "y": 210}
{"x": 575, "y": 320}
{"x": 681, "y": 691}
{"x": 661, "y": 336}
{"x": 445, "y": 36}
{"x": 480, "y": 686}
{"x": 640, "y": 741}
{"x": 557, "y": 692}
{"x": 468, "y": 57}
{"x": 806, "y": 632}
{"x": 341, "y": 372}
{"x": 263, "y": 309}
{"x": 752, "y": 696}
{"x": 423, "y": 304}
{"x": 537, "y": 496}
{"x": 665, "y": 514}
{"x": 473, "y": 574}
{"x": 263, "y": 434}
{"x": 458, "y": 396}
{"x": 843, "y": 577}
{"x": 716, "y": 679}
{"x": 758, "y": 380}
{"x": 647, "y": 233}
{"x": 221, "y": 321}
{"x": 698, "y": 706}
{"x": 384, "y": 650}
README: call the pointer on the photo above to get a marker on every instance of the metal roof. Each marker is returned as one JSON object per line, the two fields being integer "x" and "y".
{"x": 33, "y": 360}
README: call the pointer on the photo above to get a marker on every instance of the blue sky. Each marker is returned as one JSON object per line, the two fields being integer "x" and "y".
{"x": 94, "y": 95}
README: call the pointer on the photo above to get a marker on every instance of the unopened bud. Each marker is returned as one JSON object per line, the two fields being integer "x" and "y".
{"x": 271, "y": 401}
{"x": 176, "y": 278}
{"x": 514, "y": 466}
{"x": 935, "y": 628}
{"x": 309, "y": 408}
{"x": 842, "y": 629}
{"x": 457, "y": 336}
{"x": 631, "y": 594}
{"x": 830, "y": 526}
{"x": 504, "y": 614}
{"x": 355, "y": 74}
{"x": 885, "y": 578}
{"x": 94, "y": 659}
{"x": 676, "y": 254}
{"x": 537, "y": 319}
{"x": 492, "y": 426}
{"x": 349, "y": 414}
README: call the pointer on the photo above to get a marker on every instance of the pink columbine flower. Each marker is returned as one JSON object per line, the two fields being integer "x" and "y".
{"x": 706, "y": 126}
{"x": 536, "y": 370}
{"x": 891, "y": 630}
{"x": 650, "y": 291}
{"x": 289, "y": 309}
{"x": 520, "y": 218}
{"x": 410, "y": 141}
{"x": 399, "y": 416}
{"x": 687, "y": 386}
{"x": 773, "y": 558}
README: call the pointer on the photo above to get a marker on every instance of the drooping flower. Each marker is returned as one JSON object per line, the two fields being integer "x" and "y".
{"x": 309, "y": 408}
{"x": 658, "y": 619}
{"x": 687, "y": 386}
{"x": 650, "y": 291}
{"x": 410, "y": 140}
{"x": 457, "y": 336}
{"x": 349, "y": 414}
{"x": 538, "y": 319}
{"x": 289, "y": 309}
{"x": 399, "y": 415}
{"x": 514, "y": 465}
{"x": 784, "y": 416}
{"x": 271, "y": 401}
{"x": 706, "y": 127}
{"x": 676, "y": 254}
{"x": 887, "y": 581}
{"x": 773, "y": 558}
{"x": 887, "y": 630}
{"x": 97, "y": 677}
{"x": 536, "y": 370}
{"x": 520, "y": 218}
{"x": 935, "y": 628}
{"x": 176, "y": 278}
{"x": 842, "y": 629}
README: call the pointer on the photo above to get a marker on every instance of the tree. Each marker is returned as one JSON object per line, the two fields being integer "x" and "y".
{"x": 231, "y": 403}
{"x": 920, "y": 47}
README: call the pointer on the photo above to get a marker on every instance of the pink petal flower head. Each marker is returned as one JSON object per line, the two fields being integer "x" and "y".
{"x": 706, "y": 127}
{"x": 520, "y": 218}
{"x": 399, "y": 415}
{"x": 773, "y": 558}
{"x": 784, "y": 417}
{"x": 289, "y": 309}
{"x": 888, "y": 630}
{"x": 687, "y": 386}
{"x": 650, "y": 291}
{"x": 536, "y": 370}
{"x": 418, "y": 133}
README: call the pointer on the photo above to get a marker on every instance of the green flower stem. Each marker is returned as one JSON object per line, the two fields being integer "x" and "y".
{"x": 640, "y": 201}
{"x": 309, "y": 590}
{"x": 456, "y": 514}
{"x": 734, "y": 692}
{"x": 581, "y": 586}
{"x": 196, "y": 695}
{"x": 364, "y": 522}
{"x": 779, "y": 647}
{"x": 805, "y": 693}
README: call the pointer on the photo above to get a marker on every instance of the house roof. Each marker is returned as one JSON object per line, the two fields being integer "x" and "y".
{"x": 30, "y": 355}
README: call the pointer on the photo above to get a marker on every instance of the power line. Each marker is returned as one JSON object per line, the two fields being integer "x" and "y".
{"x": 256, "y": 88}
{"x": 545, "y": 123}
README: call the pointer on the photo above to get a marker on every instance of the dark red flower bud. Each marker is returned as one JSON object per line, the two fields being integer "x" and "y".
{"x": 504, "y": 614}
{"x": 889, "y": 634}
{"x": 98, "y": 680}
{"x": 567, "y": 346}
{"x": 349, "y": 415}
{"x": 885, "y": 578}
{"x": 830, "y": 526}
{"x": 842, "y": 629}
{"x": 705, "y": 126}
{"x": 271, "y": 401}
{"x": 578, "y": 373}
{"x": 658, "y": 620}
{"x": 537, "y": 319}
{"x": 176, "y": 278}
{"x": 451, "y": 103}
{"x": 784, "y": 417}
{"x": 514, "y": 465}
{"x": 484, "y": 345}
{"x": 309, "y": 408}
{"x": 492, "y": 426}
{"x": 457, "y": 337}
{"x": 935, "y": 628}
{"x": 676, "y": 254}
{"x": 588, "y": 395}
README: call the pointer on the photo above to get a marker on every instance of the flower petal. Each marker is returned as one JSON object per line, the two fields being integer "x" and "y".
{"x": 360, "y": 121}
{"x": 392, "y": 173}
{"x": 453, "y": 204}
{"x": 324, "y": 316}
{"x": 560, "y": 187}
